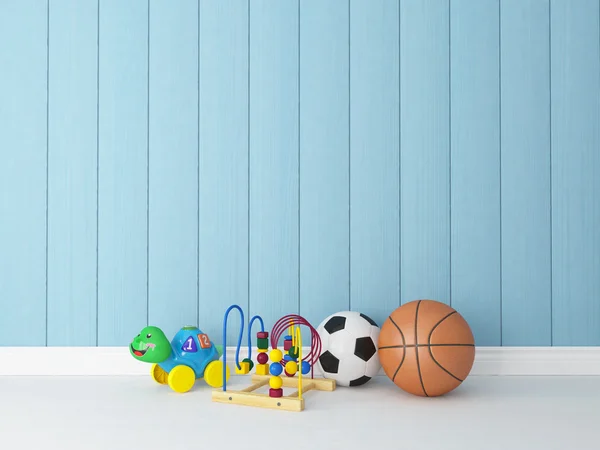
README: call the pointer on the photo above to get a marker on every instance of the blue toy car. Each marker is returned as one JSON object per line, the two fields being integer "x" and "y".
{"x": 189, "y": 356}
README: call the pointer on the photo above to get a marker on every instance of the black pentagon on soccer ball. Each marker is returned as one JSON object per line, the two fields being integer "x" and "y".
{"x": 336, "y": 323}
{"x": 329, "y": 363}
{"x": 360, "y": 381}
{"x": 365, "y": 348}
{"x": 368, "y": 319}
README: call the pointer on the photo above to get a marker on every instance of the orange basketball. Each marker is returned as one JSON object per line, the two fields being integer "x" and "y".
{"x": 426, "y": 348}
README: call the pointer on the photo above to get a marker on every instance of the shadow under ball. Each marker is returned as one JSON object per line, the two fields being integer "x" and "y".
{"x": 426, "y": 348}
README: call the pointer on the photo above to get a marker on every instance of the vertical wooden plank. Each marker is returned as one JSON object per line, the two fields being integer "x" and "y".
{"x": 374, "y": 158}
{"x": 575, "y": 72}
{"x": 23, "y": 177}
{"x": 525, "y": 139}
{"x": 324, "y": 159}
{"x": 223, "y": 122}
{"x": 475, "y": 166}
{"x": 273, "y": 160}
{"x": 425, "y": 144}
{"x": 72, "y": 172}
{"x": 173, "y": 165}
{"x": 123, "y": 165}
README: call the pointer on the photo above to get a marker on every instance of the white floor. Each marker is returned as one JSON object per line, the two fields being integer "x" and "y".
{"x": 485, "y": 413}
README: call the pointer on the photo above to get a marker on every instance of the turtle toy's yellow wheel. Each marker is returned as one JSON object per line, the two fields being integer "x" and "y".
{"x": 158, "y": 374}
{"x": 181, "y": 378}
{"x": 213, "y": 374}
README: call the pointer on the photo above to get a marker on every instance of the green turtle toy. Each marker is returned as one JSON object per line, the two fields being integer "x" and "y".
{"x": 189, "y": 356}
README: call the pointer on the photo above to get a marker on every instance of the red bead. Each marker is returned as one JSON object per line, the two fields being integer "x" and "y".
{"x": 287, "y": 345}
{"x": 288, "y": 374}
{"x": 262, "y": 358}
{"x": 275, "y": 392}
{"x": 262, "y": 334}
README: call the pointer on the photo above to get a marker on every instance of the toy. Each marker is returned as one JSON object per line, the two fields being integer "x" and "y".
{"x": 426, "y": 348}
{"x": 288, "y": 366}
{"x": 349, "y": 348}
{"x": 189, "y": 356}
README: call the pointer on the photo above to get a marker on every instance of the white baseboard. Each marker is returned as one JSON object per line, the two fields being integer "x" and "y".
{"x": 116, "y": 361}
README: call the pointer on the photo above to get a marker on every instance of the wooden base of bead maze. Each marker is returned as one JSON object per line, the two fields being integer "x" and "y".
{"x": 290, "y": 402}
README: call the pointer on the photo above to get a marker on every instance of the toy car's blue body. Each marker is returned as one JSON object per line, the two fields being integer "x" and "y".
{"x": 191, "y": 347}
{"x": 189, "y": 356}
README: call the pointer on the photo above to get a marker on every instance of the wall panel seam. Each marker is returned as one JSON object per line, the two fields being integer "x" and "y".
{"x": 299, "y": 180}
{"x": 47, "y": 151}
{"x": 449, "y": 154}
{"x": 97, "y": 165}
{"x": 500, "y": 150}
{"x": 148, "y": 171}
{"x": 551, "y": 193}
{"x": 198, "y": 180}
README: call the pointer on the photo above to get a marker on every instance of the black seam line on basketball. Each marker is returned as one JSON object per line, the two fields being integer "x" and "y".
{"x": 403, "y": 344}
{"x": 417, "y": 348}
{"x": 437, "y": 325}
{"x": 431, "y": 352}
{"x": 399, "y": 331}
{"x": 399, "y": 365}
{"x": 442, "y": 367}
{"x": 386, "y": 347}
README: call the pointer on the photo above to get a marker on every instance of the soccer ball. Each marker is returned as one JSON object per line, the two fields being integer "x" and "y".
{"x": 349, "y": 348}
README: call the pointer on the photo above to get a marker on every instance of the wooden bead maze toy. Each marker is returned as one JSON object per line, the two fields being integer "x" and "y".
{"x": 281, "y": 372}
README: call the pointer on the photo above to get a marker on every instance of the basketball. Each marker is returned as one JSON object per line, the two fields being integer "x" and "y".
{"x": 426, "y": 348}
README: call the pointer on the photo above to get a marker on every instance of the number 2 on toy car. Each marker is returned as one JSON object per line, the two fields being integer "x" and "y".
{"x": 190, "y": 345}
{"x": 204, "y": 340}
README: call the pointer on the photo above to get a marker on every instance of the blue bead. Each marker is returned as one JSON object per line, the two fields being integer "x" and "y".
{"x": 275, "y": 369}
{"x": 287, "y": 338}
{"x": 305, "y": 367}
{"x": 287, "y": 358}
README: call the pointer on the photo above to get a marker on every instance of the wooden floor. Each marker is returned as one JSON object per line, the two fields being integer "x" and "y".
{"x": 485, "y": 413}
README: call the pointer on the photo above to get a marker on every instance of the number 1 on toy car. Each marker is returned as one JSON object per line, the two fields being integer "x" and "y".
{"x": 190, "y": 345}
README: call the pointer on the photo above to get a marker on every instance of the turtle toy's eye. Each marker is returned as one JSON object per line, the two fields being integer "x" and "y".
{"x": 148, "y": 335}
{"x": 138, "y": 335}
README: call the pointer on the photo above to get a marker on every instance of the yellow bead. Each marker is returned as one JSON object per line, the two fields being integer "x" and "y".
{"x": 276, "y": 356}
{"x": 245, "y": 368}
{"x": 263, "y": 350}
{"x": 275, "y": 382}
{"x": 262, "y": 369}
{"x": 291, "y": 367}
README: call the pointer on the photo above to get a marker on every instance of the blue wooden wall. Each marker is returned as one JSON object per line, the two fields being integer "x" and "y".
{"x": 162, "y": 160}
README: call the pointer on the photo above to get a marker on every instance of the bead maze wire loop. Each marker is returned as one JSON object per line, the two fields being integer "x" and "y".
{"x": 294, "y": 319}
{"x": 287, "y": 322}
{"x": 315, "y": 350}
{"x": 262, "y": 328}
{"x": 239, "y": 345}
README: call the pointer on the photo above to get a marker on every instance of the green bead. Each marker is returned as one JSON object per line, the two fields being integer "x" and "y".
{"x": 249, "y": 361}
{"x": 293, "y": 352}
{"x": 262, "y": 343}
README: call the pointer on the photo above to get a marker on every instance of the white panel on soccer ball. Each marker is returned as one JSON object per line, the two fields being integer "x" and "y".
{"x": 351, "y": 368}
{"x": 341, "y": 344}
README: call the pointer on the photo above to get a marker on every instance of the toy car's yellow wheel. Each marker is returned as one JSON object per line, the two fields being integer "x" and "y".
{"x": 158, "y": 374}
{"x": 213, "y": 374}
{"x": 181, "y": 378}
